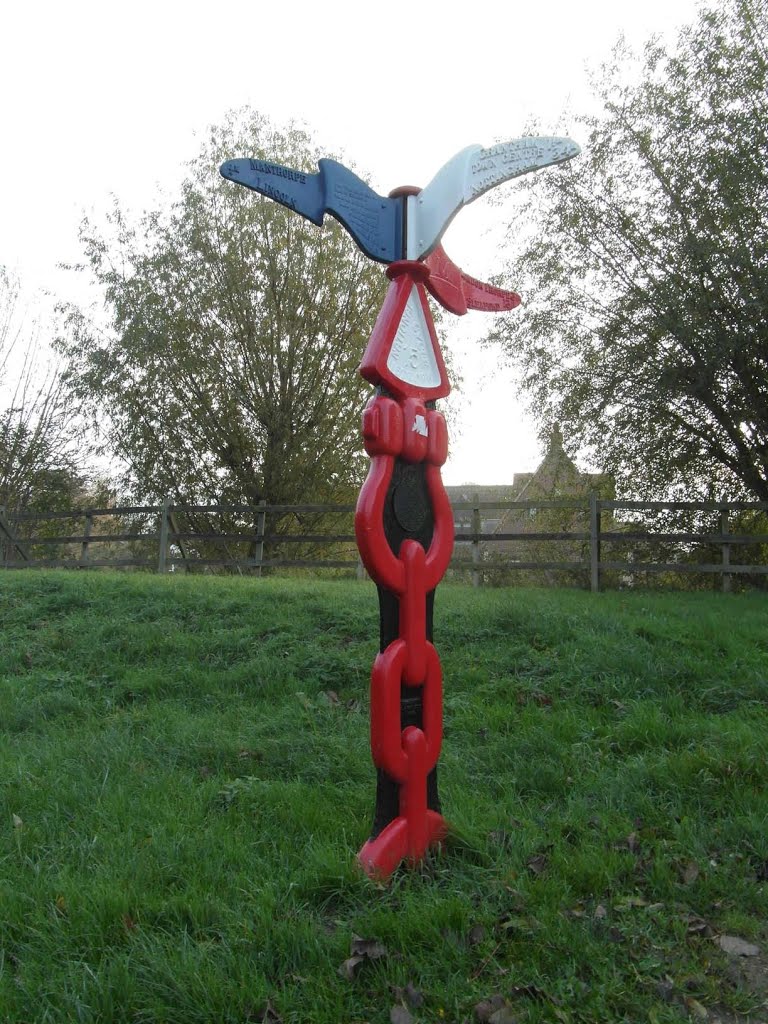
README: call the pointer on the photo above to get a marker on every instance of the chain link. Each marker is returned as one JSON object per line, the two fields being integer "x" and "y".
{"x": 405, "y": 428}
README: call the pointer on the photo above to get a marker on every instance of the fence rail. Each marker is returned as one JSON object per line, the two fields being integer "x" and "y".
{"x": 161, "y": 544}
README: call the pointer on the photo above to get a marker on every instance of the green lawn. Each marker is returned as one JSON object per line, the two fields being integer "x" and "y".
{"x": 185, "y": 780}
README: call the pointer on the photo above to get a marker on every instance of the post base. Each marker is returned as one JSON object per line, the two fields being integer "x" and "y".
{"x": 380, "y": 857}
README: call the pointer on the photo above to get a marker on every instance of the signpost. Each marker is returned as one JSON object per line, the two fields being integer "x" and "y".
{"x": 404, "y": 521}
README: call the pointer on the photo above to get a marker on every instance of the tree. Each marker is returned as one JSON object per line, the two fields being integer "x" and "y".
{"x": 227, "y": 370}
{"x": 645, "y": 279}
{"x": 41, "y": 447}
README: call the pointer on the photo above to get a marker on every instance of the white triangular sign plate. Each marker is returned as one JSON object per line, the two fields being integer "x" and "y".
{"x": 412, "y": 357}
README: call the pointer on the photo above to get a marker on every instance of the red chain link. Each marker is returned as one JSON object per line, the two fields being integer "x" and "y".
{"x": 406, "y": 755}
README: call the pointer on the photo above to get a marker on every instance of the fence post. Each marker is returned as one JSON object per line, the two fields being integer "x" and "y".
{"x": 476, "y": 527}
{"x": 86, "y": 539}
{"x": 10, "y": 541}
{"x": 594, "y": 543}
{"x": 725, "y": 579}
{"x": 162, "y": 555}
{"x": 261, "y": 528}
{"x": 174, "y": 530}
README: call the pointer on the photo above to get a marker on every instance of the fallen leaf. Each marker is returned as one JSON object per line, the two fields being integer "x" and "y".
{"x": 631, "y": 903}
{"x": 696, "y": 925}
{"x": 269, "y": 1015}
{"x": 517, "y": 898}
{"x": 400, "y": 1015}
{"x": 631, "y": 843}
{"x": 408, "y": 994}
{"x": 519, "y": 924}
{"x": 531, "y": 992}
{"x": 689, "y": 872}
{"x": 361, "y": 949}
{"x": 61, "y": 904}
{"x": 476, "y": 935}
{"x": 412, "y": 994}
{"x": 499, "y": 837}
{"x": 349, "y": 968}
{"x": 737, "y": 947}
{"x": 600, "y": 912}
{"x": 665, "y": 990}
{"x": 696, "y": 1009}
{"x": 505, "y": 1015}
{"x": 538, "y": 863}
{"x": 332, "y": 697}
{"x": 128, "y": 923}
{"x": 692, "y": 982}
{"x": 486, "y": 1007}
{"x": 371, "y": 949}
{"x": 17, "y": 822}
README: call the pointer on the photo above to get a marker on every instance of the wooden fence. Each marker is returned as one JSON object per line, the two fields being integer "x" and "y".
{"x": 276, "y": 537}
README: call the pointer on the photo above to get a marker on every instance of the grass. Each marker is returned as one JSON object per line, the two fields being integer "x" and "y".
{"x": 185, "y": 779}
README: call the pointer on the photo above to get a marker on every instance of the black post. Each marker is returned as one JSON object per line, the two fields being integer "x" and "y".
{"x": 594, "y": 542}
{"x": 407, "y": 515}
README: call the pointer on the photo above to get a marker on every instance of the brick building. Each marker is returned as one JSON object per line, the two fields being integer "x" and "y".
{"x": 556, "y": 477}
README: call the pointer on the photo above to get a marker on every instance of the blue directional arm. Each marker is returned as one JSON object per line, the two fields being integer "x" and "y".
{"x": 375, "y": 223}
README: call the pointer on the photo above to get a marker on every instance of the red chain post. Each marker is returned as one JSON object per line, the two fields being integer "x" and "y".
{"x": 401, "y": 429}
{"x": 404, "y": 522}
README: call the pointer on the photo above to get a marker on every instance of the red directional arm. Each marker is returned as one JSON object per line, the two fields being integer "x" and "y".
{"x": 459, "y": 292}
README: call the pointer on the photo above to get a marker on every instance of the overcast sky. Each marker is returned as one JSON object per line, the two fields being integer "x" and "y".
{"x": 101, "y": 98}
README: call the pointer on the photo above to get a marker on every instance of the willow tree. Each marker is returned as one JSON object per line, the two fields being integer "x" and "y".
{"x": 224, "y": 368}
{"x": 645, "y": 279}
{"x": 43, "y": 454}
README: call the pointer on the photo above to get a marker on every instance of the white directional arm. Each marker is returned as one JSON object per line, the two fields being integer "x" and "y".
{"x": 468, "y": 175}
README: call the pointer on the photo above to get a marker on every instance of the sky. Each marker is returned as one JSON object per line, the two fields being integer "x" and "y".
{"x": 100, "y": 99}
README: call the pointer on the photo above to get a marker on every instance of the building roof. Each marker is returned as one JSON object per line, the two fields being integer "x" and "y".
{"x": 556, "y": 476}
